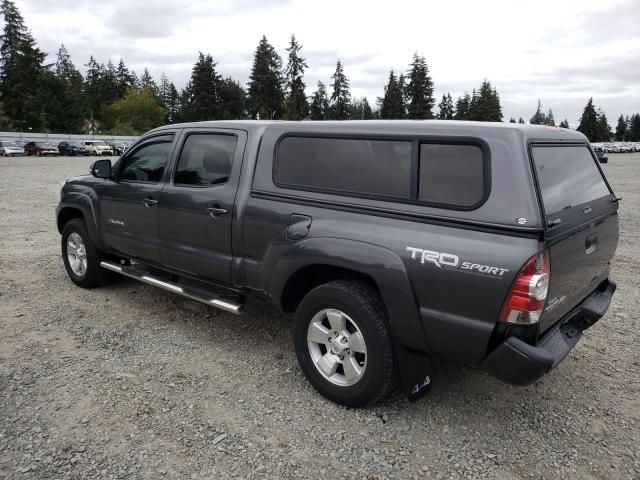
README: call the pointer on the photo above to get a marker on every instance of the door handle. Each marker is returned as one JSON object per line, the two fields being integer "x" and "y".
{"x": 149, "y": 202}
{"x": 216, "y": 211}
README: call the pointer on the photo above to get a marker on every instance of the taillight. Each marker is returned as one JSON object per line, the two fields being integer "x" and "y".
{"x": 529, "y": 291}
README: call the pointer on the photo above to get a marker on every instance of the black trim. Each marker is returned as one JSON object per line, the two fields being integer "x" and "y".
{"x": 415, "y": 140}
{"x": 401, "y": 215}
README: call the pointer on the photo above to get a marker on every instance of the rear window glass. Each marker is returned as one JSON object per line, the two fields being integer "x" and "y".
{"x": 374, "y": 167}
{"x": 568, "y": 176}
{"x": 451, "y": 174}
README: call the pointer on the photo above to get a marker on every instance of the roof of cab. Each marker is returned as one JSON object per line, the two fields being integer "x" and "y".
{"x": 425, "y": 127}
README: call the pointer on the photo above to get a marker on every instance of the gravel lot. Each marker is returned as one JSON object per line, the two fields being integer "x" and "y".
{"x": 129, "y": 381}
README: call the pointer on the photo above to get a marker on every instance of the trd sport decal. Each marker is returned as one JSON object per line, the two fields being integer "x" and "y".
{"x": 451, "y": 261}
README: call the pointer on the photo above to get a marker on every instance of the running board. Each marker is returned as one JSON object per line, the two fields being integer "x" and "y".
{"x": 191, "y": 293}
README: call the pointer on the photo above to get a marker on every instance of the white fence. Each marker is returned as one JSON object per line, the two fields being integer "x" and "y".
{"x": 56, "y": 138}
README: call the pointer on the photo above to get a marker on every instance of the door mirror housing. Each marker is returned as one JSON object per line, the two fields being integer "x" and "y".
{"x": 101, "y": 168}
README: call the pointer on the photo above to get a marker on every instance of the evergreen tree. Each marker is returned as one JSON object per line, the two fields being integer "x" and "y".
{"x": 320, "y": 103}
{"x": 69, "y": 113}
{"x": 341, "y": 97}
{"x": 266, "y": 82}
{"x": 485, "y": 104}
{"x": 463, "y": 105}
{"x": 93, "y": 87}
{"x": 203, "y": 99}
{"x": 521, "y": 120}
{"x": 604, "y": 129}
{"x": 564, "y": 124}
{"x": 446, "y": 107}
{"x": 172, "y": 105}
{"x": 621, "y": 129}
{"x": 233, "y": 99}
{"x": 589, "y": 122}
{"x": 550, "y": 121}
{"x": 147, "y": 82}
{"x": 21, "y": 72}
{"x": 512, "y": 120}
{"x": 297, "y": 104}
{"x": 419, "y": 90}
{"x": 392, "y": 104}
{"x": 539, "y": 117}
{"x": 124, "y": 79}
{"x": 634, "y": 128}
{"x": 361, "y": 110}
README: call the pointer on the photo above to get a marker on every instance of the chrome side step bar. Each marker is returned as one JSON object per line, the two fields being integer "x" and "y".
{"x": 191, "y": 293}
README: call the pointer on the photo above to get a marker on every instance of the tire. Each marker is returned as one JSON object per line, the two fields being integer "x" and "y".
{"x": 361, "y": 307}
{"x": 93, "y": 275}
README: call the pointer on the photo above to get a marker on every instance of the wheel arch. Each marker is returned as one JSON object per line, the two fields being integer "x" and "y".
{"x": 80, "y": 205}
{"x": 313, "y": 261}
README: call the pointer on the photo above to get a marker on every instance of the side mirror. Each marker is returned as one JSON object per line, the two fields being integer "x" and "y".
{"x": 101, "y": 169}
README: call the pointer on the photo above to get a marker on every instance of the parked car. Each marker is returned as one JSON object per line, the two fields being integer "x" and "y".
{"x": 602, "y": 158}
{"x": 72, "y": 148}
{"x": 98, "y": 147}
{"x": 41, "y": 149}
{"x": 10, "y": 149}
{"x": 118, "y": 148}
{"x": 390, "y": 241}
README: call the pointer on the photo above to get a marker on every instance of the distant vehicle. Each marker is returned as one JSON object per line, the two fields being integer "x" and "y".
{"x": 41, "y": 149}
{"x": 21, "y": 144}
{"x": 98, "y": 147}
{"x": 9, "y": 149}
{"x": 73, "y": 148}
{"x": 119, "y": 147}
{"x": 602, "y": 158}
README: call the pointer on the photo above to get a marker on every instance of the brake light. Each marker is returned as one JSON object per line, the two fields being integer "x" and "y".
{"x": 528, "y": 293}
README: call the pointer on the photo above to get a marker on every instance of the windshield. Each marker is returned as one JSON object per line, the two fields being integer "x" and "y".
{"x": 43, "y": 144}
{"x": 98, "y": 143}
{"x": 567, "y": 176}
{"x": 9, "y": 144}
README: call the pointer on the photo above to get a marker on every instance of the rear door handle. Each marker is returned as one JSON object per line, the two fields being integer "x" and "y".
{"x": 149, "y": 202}
{"x": 591, "y": 243}
{"x": 216, "y": 211}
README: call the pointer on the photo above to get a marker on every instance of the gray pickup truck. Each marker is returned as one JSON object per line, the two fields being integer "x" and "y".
{"x": 391, "y": 241}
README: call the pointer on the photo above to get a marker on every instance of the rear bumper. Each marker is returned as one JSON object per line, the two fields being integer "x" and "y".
{"x": 519, "y": 363}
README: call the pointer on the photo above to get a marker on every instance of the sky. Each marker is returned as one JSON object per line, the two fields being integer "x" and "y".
{"x": 559, "y": 51}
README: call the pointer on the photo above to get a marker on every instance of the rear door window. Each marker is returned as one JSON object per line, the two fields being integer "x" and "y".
{"x": 567, "y": 176}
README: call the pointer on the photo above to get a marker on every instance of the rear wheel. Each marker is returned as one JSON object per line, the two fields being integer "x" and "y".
{"x": 343, "y": 343}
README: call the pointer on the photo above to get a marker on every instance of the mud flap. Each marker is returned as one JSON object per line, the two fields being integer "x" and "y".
{"x": 416, "y": 373}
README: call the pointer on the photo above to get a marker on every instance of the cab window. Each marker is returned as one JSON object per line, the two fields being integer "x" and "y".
{"x": 148, "y": 162}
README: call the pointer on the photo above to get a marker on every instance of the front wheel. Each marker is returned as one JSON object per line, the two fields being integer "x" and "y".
{"x": 343, "y": 343}
{"x": 80, "y": 256}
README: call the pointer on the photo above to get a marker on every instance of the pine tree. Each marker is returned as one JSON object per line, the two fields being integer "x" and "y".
{"x": 266, "y": 92}
{"x": 320, "y": 103}
{"x": 621, "y": 129}
{"x": 462, "y": 107}
{"x": 512, "y": 120}
{"x": 634, "y": 128}
{"x": 550, "y": 121}
{"x": 147, "y": 82}
{"x": 521, "y": 120}
{"x": 233, "y": 100}
{"x": 69, "y": 113}
{"x": 564, "y": 124}
{"x": 21, "y": 72}
{"x": 124, "y": 79}
{"x": 446, "y": 107}
{"x": 297, "y": 104}
{"x": 93, "y": 87}
{"x": 419, "y": 90}
{"x": 604, "y": 129}
{"x": 485, "y": 104}
{"x": 589, "y": 122}
{"x": 202, "y": 101}
{"x": 539, "y": 117}
{"x": 340, "y": 105}
{"x": 392, "y": 104}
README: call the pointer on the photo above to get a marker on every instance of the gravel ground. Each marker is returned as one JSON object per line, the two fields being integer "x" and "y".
{"x": 129, "y": 381}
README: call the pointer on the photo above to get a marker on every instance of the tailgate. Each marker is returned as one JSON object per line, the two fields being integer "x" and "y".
{"x": 582, "y": 224}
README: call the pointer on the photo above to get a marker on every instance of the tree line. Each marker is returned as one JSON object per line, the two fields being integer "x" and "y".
{"x": 110, "y": 98}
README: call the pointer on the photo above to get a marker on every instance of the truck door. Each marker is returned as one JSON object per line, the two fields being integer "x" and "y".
{"x": 129, "y": 203}
{"x": 196, "y": 205}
